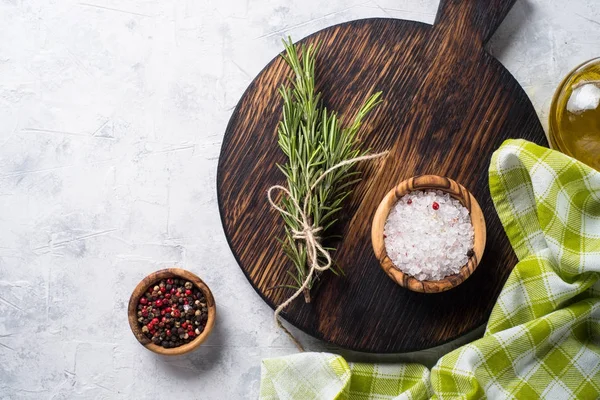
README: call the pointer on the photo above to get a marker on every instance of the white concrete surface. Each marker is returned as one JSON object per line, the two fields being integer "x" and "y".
{"x": 111, "y": 118}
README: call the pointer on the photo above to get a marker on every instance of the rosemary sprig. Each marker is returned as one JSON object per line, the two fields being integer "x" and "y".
{"x": 313, "y": 140}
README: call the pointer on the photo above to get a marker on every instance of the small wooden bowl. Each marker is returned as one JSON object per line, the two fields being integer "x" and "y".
{"x": 428, "y": 183}
{"x": 152, "y": 279}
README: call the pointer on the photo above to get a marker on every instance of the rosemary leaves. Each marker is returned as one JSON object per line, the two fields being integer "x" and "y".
{"x": 320, "y": 155}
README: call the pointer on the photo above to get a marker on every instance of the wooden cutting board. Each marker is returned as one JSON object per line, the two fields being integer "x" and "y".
{"x": 448, "y": 105}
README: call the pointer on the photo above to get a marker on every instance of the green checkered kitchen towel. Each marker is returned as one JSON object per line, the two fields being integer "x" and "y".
{"x": 543, "y": 337}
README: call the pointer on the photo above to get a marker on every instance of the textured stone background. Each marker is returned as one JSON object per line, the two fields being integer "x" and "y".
{"x": 111, "y": 118}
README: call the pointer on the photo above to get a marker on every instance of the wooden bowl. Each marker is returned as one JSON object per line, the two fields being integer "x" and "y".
{"x": 151, "y": 280}
{"x": 427, "y": 183}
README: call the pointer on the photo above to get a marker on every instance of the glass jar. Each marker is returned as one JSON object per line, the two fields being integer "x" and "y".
{"x": 575, "y": 114}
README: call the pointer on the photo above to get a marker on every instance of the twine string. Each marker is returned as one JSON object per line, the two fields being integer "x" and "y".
{"x": 309, "y": 234}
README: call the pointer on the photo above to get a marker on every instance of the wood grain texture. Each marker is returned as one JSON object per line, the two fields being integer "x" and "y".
{"x": 152, "y": 280}
{"x": 425, "y": 183}
{"x": 447, "y": 106}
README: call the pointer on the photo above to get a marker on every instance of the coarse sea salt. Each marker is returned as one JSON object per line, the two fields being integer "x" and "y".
{"x": 429, "y": 235}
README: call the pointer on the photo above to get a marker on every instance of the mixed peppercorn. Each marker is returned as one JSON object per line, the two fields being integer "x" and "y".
{"x": 172, "y": 312}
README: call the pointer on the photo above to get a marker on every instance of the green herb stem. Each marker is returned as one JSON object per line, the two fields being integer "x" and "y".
{"x": 313, "y": 140}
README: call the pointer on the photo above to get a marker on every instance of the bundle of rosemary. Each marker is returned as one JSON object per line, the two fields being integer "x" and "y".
{"x": 319, "y": 173}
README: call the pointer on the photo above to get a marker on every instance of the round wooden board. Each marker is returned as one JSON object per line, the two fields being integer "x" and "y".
{"x": 447, "y": 106}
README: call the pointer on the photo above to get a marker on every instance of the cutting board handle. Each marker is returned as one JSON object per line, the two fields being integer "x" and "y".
{"x": 469, "y": 18}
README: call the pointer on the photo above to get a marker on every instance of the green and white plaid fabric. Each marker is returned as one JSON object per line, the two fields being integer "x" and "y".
{"x": 329, "y": 376}
{"x": 543, "y": 337}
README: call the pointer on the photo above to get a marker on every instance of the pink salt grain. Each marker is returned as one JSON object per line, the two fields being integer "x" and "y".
{"x": 428, "y": 235}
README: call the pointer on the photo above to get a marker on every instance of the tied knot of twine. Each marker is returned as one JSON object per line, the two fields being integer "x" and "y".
{"x": 309, "y": 233}
{"x": 306, "y": 232}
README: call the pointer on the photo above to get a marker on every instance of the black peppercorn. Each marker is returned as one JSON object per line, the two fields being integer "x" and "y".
{"x": 172, "y": 312}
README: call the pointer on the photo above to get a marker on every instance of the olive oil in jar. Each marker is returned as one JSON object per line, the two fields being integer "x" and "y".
{"x": 575, "y": 114}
